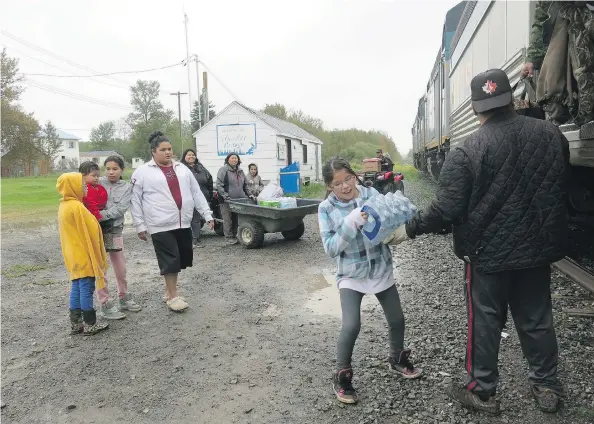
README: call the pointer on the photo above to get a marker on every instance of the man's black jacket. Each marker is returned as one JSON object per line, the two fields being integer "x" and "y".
{"x": 505, "y": 193}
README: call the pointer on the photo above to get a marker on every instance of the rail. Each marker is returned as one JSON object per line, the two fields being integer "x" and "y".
{"x": 576, "y": 272}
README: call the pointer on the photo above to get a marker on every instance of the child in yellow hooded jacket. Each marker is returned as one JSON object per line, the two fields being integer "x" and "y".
{"x": 84, "y": 253}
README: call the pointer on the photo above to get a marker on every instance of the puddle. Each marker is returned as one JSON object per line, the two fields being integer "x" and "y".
{"x": 326, "y": 299}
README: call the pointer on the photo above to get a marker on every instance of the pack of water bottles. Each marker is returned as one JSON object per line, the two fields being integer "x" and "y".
{"x": 385, "y": 214}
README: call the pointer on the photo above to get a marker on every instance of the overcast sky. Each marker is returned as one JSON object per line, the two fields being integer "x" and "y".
{"x": 351, "y": 63}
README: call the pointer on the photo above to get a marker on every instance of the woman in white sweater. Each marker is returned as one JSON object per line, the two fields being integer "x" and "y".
{"x": 164, "y": 196}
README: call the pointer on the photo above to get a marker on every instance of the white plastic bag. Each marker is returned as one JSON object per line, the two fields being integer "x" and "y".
{"x": 271, "y": 191}
{"x": 288, "y": 202}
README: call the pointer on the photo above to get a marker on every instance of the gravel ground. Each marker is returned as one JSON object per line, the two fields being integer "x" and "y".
{"x": 258, "y": 342}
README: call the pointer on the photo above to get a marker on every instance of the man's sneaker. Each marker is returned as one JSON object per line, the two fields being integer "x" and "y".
{"x": 403, "y": 366}
{"x": 342, "y": 384}
{"x": 110, "y": 311}
{"x": 128, "y": 304}
{"x": 487, "y": 404}
{"x": 197, "y": 244}
{"x": 548, "y": 401}
{"x": 231, "y": 240}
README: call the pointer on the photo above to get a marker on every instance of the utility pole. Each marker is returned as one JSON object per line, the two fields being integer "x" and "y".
{"x": 188, "y": 65}
{"x": 205, "y": 97}
{"x": 179, "y": 94}
{"x": 195, "y": 57}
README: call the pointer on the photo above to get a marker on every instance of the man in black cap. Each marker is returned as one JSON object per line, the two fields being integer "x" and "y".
{"x": 504, "y": 192}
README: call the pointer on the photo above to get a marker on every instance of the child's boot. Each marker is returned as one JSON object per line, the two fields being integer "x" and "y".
{"x": 90, "y": 325}
{"x": 76, "y": 321}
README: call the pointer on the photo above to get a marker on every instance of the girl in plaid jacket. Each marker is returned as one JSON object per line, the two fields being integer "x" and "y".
{"x": 363, "y": 268}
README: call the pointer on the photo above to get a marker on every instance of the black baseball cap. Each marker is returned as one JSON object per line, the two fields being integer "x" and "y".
{"x": 490, "y": 90}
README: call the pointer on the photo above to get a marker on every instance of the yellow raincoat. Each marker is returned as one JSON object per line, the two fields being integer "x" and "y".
{"x": 80, "y": 233}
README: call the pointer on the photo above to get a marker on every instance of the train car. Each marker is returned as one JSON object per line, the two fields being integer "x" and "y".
{"x": 431, "y": 131}
{"x": 488, "y": 34}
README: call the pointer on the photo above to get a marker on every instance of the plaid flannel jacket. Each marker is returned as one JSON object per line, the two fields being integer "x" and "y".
{"x": 355, "y": 256}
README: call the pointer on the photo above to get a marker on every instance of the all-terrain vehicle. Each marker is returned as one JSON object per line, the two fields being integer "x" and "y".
{"x": 385, "y": 181}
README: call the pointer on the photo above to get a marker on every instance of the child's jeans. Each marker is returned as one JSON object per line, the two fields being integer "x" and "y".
{"x": 81, "y": 295}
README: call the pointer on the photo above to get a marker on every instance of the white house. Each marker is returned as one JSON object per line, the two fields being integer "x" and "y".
{"x": 97, "y": 156}
{"x": 258, "y": 138}
{"x": 136, "y": 162}
{"x": 68, "y": 154}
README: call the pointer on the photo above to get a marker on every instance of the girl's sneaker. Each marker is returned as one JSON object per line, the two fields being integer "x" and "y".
{"x": 127, "y": 303}
{"x": 110, "y": 311}
{"x": 403, "y": 366}
{"x": 342, "y": 384}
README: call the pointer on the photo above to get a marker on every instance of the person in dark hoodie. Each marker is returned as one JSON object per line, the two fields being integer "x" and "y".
{"x": 190, "y": 159}
{"x": 231, "y": 184}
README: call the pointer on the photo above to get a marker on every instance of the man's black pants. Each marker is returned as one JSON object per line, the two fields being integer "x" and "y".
{"x": 527, "y": 292}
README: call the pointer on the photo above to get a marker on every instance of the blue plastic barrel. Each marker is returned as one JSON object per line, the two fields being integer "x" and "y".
{"x": 289, "y": 179}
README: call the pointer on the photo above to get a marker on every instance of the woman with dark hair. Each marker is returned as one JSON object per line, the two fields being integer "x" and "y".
{"x": 363, "y": 268}
{"x": 164, "y": 196}
{"x": 119, "y": 193}
{"x": 231, "y": 184}
{"x": 254, "y": 181}
{"x": 190, "y": 159}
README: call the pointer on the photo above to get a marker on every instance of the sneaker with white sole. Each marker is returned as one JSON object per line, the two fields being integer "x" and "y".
{"x": 177, "y": 304}
{"x": 110, "y": 311}
{"x": 402, "y": 365}
{"x": 127, "y": 303}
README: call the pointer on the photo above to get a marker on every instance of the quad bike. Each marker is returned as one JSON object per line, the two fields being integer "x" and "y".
{"x": 384, "y": 181}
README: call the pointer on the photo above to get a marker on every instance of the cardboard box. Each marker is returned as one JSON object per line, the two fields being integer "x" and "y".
{"x": 371, "y": 165}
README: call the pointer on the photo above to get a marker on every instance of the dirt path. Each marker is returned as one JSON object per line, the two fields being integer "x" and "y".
{"x": 256, "y": 346}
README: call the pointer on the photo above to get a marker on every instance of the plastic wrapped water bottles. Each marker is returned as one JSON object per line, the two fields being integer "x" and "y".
{"x": 385, "y": 214}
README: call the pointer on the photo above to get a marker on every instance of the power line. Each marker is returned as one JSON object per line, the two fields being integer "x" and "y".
{"x": 76, "y": 96}
{"x": 106, "y": 74}
{"x": 66, "y": 70}
{"x": 221, "y": 82}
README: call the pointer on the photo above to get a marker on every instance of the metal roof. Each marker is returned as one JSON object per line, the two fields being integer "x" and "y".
{"x": 284, "y": 128}
{"x": 62, "y": 134}
{"x": 99, "y": 153}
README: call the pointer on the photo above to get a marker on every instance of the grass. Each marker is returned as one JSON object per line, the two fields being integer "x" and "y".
{"x": 16, "y": 271}
{"x": 32, "y": 201}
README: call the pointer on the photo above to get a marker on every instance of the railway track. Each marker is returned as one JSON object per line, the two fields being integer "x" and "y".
{"x": 576, "y": 272}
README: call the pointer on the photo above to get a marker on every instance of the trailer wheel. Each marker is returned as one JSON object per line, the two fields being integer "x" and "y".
{"x": 251, "y": 234}
{"x": 295, "y": 233}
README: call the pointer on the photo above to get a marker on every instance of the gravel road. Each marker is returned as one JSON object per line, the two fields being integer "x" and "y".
{"x": 258, "y": 342}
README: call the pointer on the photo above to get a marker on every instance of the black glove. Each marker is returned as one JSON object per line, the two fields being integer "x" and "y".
{"x": 412, "y": 226}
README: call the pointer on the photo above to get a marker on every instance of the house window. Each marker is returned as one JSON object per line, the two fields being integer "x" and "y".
{"x": 71, "y": 144}
{"x": 304, "y": 153}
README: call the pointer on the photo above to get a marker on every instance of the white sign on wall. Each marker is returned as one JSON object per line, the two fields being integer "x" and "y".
{"x": 238, "y": 138}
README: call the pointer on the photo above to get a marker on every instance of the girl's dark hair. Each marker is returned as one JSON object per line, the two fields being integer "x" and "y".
{"x": 156, "y": 138}
{"x": 333, "y": 164}
{"x": 183, "y": 158}
{"x": 254, "y": 165}
{"x": 117, "y": 159}
{"x": 233, "y": 154}
{"x": 87, "y": 167}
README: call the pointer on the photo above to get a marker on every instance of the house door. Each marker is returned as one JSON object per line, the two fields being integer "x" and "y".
{"x": 317, "y": 163}
{"x": 289, "y": 150}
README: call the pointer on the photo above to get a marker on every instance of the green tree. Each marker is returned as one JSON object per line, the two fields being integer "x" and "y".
{"x": 49, "y": 142}
{"x": 198, "y": 107}
{"x": 145, "y": 102}
{"x": 18, "y": 129}
{"x": 103, "y": 135}
{"x": 277, "y": 110}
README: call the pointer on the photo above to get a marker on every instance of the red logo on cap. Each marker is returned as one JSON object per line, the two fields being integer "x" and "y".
{"x": 489, "y": 87}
